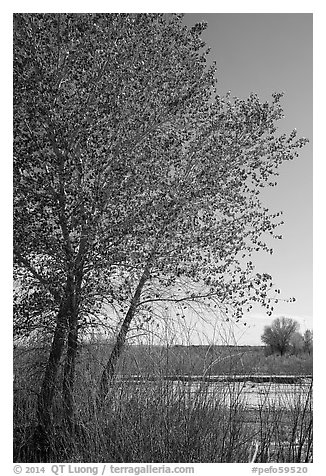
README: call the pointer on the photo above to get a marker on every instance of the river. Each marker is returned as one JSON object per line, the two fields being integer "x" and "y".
{"x": 251, "y": 392}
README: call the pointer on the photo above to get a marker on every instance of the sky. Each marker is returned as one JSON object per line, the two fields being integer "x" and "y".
{"x": 263, "y": 53}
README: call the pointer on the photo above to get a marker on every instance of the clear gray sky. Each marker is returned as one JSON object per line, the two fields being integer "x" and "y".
{"x": 263, "y": 53}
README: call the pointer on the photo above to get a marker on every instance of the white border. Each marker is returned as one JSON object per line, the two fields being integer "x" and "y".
{"x": 319, "y": 187}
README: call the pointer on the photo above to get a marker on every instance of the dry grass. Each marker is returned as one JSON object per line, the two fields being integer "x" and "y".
{"x": 161, "y": 421}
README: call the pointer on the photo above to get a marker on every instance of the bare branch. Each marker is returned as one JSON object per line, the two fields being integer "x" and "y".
{"x": 177, "y": 300}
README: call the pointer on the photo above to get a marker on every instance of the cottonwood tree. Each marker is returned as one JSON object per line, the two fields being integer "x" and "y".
{"x": 132, "y": 176}
{"x": 96, "y": 100}
{"x": 279, "y": 334}
{"x": 308, "y": 341}
{"x": 211, "y": 219}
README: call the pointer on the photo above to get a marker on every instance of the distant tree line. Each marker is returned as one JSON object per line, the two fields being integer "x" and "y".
{"x": 283, "y": 336}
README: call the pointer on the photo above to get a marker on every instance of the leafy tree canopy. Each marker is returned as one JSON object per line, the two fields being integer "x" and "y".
{"x": 126, "y": 158}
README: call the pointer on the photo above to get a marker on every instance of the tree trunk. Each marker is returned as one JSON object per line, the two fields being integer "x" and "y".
{"x": 70, "y": 361}
{"x": 42, "y": 433}
{"x": 110, "y": 367}
{"x": 69, "y": 373}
